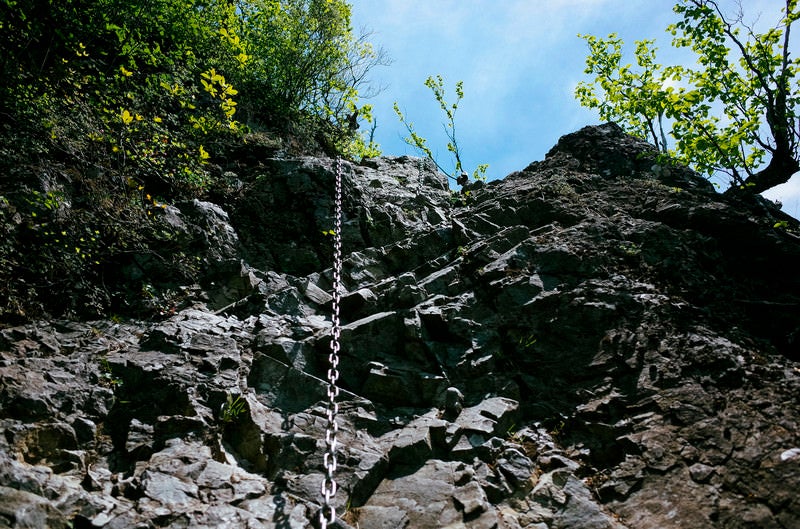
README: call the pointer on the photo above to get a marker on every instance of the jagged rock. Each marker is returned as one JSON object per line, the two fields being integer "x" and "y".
{"x": 492, "y": 416}
{"x": 454, "y": 402}
{"x": 597, "y": 341}
{"x": 210, "y": 227}
{"x": 19, "y": 508}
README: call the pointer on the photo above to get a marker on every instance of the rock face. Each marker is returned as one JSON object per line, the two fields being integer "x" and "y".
{"x": 597, "y": 341}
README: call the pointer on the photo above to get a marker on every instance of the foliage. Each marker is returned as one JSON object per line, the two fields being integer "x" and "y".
{"x": 107, "y": 377}
{"x": 118, "y": 84}
{"x": 112, "y": 110}
{"x": 305, "y": 65}
{"x": 153, "y": 85}
{"x": 436, "y": 85}
{"x": 737, "y": 108}
{"x": 232, "y": 408}
{"x": 635, "y": 100}
{"x": 360, "y": 146}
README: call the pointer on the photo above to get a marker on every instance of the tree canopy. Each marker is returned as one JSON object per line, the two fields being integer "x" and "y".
{"x": 153, "y": 83}
{"x": 736, "y": 111}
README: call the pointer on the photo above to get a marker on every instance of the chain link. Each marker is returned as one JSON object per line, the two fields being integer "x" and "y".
{"x": 327, "y": 515}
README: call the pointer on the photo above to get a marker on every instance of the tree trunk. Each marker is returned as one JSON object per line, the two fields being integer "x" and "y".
{"x": 779, "y": 170}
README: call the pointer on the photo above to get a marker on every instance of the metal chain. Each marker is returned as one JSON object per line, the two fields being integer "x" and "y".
{"x": 328, "y": 512}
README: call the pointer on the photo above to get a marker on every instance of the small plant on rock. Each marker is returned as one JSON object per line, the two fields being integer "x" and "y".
{"x": 107, "y": 377}
{"x": 415, "y": 140}
{"x": 630, "y": 249}
{"x": 232, "y": 409}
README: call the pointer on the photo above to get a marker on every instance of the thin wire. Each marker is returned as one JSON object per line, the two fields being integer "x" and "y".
{"x": 327, "y": 515}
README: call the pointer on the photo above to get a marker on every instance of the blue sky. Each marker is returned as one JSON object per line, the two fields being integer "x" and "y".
{"x": 519, "y": 60}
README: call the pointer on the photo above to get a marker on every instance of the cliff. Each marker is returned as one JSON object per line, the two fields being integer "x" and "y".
{"x": 597, "y": 341}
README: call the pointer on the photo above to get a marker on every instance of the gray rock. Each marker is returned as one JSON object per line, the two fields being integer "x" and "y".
{"x": 492, "y": 416}
{"x": 219, "y": 237}
{"x": 170, "y": 491}
{"x": 454, "y": 402}
{"x": 471, "y": 499}
{"x": 426, "y": 498}
{"x": 516, "y": 467}
{"x": 381, "y": 517}
{"x": 595, "y": 341}
{"x": 700, "y": 472}
{"x": 21, "y": 509}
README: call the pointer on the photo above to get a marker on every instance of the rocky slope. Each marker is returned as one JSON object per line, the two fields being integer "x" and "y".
{"x": 597, "y": 341}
